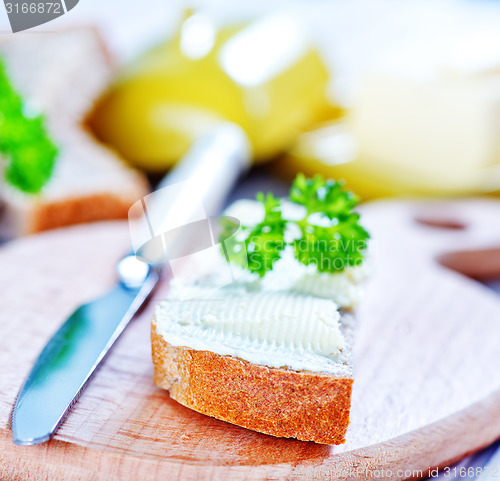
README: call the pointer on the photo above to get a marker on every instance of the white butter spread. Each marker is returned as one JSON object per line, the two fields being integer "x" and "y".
{"x": 277, "y": 329}
{"x": 290, "y": 318}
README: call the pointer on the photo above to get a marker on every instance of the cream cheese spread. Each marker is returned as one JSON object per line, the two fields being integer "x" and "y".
{"x": 276, "y": 329}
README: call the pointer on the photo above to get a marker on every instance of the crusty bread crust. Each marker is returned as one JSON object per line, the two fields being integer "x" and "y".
{"x": 281, "y": 402}
{"x": 79, "y": 210}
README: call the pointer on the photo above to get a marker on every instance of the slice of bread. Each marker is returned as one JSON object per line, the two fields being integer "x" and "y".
{"x": 310, "y": 406}
{"x": 272, "y": 354}
{"x": 61, "y": 75}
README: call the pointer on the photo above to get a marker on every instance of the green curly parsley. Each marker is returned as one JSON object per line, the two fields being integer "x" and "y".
{"x": 24, "y": 142}
{"x": 265, "y": 241}
{"x": 328, "y": 235}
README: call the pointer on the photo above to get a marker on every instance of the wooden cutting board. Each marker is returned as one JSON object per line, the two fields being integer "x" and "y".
{"x": 427, "y": 364}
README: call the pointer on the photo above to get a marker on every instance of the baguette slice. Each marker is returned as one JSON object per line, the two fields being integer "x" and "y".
{"x": 306, "y": 405}
{"x": 61, "y": 75}
{"x": 273, "y": 355}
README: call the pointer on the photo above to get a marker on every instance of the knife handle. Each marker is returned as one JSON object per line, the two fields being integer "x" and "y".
{"x": 213, "y": 165}
{"x": 192, "y": 191}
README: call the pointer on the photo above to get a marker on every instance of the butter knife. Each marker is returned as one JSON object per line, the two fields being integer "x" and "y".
{"x": 71, "y": 356}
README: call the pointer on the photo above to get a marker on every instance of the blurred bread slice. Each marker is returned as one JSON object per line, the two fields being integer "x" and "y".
{"x": 61, "y": 75}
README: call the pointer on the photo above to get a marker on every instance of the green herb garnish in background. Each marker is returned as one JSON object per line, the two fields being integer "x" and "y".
{"x": 24, "y": 143}
{"x": 328, "y": 235}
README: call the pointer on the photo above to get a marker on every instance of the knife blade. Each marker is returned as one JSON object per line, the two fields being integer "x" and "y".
{"x": 74, "y": 352}
{"x": 71, "y": 356}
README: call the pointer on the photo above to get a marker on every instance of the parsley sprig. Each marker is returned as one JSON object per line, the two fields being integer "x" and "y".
{"x": 265, "y": 241}
{"x": 329, "y": 234}
{"x": 24, "y": 142}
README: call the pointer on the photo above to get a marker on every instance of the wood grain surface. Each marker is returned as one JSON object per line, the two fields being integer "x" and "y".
{"x": 427, "y": 364}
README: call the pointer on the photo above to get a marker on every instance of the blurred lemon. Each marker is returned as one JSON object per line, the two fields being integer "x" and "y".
{"x": 265, "y": 76}
{"x": 335, "y": 150}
